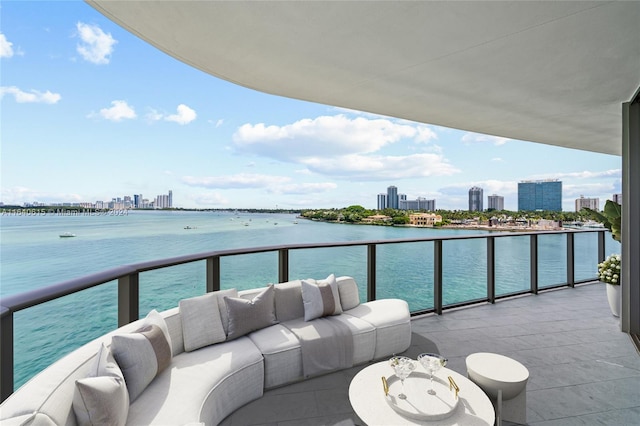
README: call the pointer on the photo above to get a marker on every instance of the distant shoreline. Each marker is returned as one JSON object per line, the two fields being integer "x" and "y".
{"x": 504, "y": 228}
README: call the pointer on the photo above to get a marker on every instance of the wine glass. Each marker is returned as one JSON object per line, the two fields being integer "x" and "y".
{"x": 432, "y": 363}
{"x": 403, "y": 367}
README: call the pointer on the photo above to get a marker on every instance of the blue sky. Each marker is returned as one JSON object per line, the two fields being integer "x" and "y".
{"x": 91, "y": 112}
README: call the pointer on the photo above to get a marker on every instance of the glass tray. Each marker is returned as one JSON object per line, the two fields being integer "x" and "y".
{"x": 419, "y": 405}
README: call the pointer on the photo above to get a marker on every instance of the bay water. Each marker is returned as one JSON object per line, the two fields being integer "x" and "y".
{"x": 33, "y": 255}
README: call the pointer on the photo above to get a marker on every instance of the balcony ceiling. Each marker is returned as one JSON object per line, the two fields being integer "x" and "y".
{"x": 547, "y": 72}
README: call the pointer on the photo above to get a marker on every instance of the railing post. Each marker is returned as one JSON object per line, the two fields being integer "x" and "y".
{"x": 6, "y": 354}
{"x": 491, "y": 269}
{"x": 371, "y": 272}
{"x": 601, "y": 245}
{"x": 128, "y": 299}
{"x": 570, "y": 260}
{"x": 437, "y": 276}
{"x": 283, "y": 265}
{"x": 533, "y": 263}
{"x": 213, "y": 274}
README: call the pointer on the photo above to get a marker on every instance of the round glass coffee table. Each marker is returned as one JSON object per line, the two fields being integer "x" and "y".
{"x": 471, "y": 407}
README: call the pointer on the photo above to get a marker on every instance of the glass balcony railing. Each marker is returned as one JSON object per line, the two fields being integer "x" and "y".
{"x": 432, "y": 274}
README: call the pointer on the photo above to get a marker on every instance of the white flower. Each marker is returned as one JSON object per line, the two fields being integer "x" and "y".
{"x": 609, "y": 270}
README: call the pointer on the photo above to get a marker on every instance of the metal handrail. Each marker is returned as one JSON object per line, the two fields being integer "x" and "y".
{"x": 128, "y": 280}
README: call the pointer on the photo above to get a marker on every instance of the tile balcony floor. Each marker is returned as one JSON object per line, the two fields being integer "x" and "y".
{"x": 582, "y": 369}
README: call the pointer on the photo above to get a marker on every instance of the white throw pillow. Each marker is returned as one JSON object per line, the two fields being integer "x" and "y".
{"x": 201, "y": 321}
{"x": 141, "y": 355}
{"x": 155, "y": 318}
{"x": 349, "y": 295}
{"x": 320, "y": 298}
{"x": 102, "y": 397}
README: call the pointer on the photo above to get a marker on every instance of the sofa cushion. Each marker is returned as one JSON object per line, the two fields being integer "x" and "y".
{"x": 289, "y": 300}
{"x": 33, "y": 419}
{"x": 201, "y": 321}
{"x": 320, "y": 298}
{"x": 281, "y": 351}
{"x": 141, "y": 356}
{"x": 392, "y": 321}
{"x": 246, "y": 316}
{"x": 202, "y": 386}
{"x": 102, "y": 397}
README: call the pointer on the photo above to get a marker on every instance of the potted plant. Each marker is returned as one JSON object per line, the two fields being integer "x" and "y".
{"x": 611, "y": 218}
{"x": 609, "y": 273}
{"x": 609, "y": 270}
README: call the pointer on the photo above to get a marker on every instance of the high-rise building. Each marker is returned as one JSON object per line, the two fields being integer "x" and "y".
{"x": 162, "y": 201}
{"x": 590, "y": 203}
{"x": 540, "y": 195}
{"x": 382, "y": 201}
{"x": 617, "y": 198}
{"x": 392, "y": 197}
{"x": 170, "y": 199}
{"x": 475, "y": 199}
{"x": 495, "y": 202}
{"x": 417, "y": 204}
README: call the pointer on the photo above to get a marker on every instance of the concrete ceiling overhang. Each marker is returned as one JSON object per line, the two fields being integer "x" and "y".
{"x": 548, "y": 72}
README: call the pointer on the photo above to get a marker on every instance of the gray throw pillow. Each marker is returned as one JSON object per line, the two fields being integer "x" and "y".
{"x": 246, "y": 316}
{"x": 102, "y": 397}
{"x": 289, "y": 301}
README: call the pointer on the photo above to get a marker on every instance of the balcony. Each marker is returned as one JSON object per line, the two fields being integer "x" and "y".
{"x": 581, "y": 366}
{"x": 583, "y": 370}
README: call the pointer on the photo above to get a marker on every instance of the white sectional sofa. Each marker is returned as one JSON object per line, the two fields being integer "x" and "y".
{"x": 225, "y": 348}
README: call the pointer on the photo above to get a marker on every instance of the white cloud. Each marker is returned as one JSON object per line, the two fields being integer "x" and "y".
{"x": 364, "y": 167}
{"x": 341, "y": 146}
{"x": 489, "y": 187}
{"x": 95, "y": 46}
{"x": 497, "y": 160}
{"x": 272, "y": 184}
{"x": 219, "y": 122}
{"x": 119, "y": 110}
{"x": 470, "y": 137}
{"x": 325, "y": 136}
{"x": 302, "y": 188}
{"x": 588, "y": 190}
{"x": 154, "y": 115}
{"x": 185, "y": 115}
{"x": 585, "y": 174}
{"x": 209, "y": 199}
{"x": 19, "y": 195}
{"x": 6, "y": 47}
{"x": 30, "y": 97}
{"x": 242, "y": 180}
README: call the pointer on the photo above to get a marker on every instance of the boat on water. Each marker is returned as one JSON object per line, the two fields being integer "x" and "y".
{"x": 67, "y": 235}
{"x": 592, "y": 224}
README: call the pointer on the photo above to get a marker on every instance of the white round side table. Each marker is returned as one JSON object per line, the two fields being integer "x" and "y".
{"x": 504, "y": 380}
{"x": 367, "y": 398}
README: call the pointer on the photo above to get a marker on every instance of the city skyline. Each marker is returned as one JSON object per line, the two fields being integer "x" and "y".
{"x": 136, "y": 201}
{"x": 90, "y": 110}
